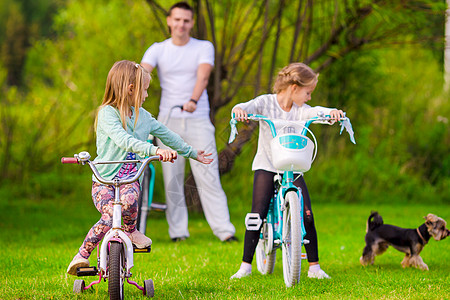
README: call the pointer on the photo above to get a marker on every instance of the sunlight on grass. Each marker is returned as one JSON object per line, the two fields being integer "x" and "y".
{"x": 50, "y": 232}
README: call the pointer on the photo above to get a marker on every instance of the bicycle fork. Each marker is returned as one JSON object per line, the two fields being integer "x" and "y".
{"x": 288, "y": 186}
{"x": 116, "y": 233}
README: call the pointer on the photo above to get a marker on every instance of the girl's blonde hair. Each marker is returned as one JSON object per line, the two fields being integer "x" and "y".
{"x": 122, "y": 74}
{"x": 294, "y": 73}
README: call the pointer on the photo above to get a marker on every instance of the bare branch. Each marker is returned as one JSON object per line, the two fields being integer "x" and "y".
{"x": 298, "y": 27}
{"x": 237, "y": 26}
{"x": 352, "y": 21}
{"x": 261, "y": 54}
{"x": 155, "y": 7}
{"x": 275, "y": 45}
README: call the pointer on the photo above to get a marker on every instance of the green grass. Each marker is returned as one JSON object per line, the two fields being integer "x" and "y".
{"x": 40, "y": 237}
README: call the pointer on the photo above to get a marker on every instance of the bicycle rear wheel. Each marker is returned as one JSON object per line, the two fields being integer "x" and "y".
{"x": 292, "y": 244}
{"x": 265, "y": 252}
{"x": 116, "y": 271}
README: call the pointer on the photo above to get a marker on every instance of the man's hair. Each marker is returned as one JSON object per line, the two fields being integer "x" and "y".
{"x": 182, "y": 5}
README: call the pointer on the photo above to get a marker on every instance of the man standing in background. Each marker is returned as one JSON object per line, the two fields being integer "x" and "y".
{"x": 184, "y": 65}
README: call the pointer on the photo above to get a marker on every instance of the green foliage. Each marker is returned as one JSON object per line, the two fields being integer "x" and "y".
{"x": 67, "y": 76}
{"x": 21, "y": 24}
{"x": 391, "y": 93}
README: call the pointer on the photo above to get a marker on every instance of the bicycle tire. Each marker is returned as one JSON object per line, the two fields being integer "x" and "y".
{"x": 149, "y": 288}
{"x": 292, "y": 243}
{"x": 265, "y": 252}
{"x": 78, "y": 286}
{"x": 116, "y": 271}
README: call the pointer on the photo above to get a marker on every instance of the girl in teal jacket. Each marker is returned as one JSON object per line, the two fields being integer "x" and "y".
{"x": 122, "y": 128}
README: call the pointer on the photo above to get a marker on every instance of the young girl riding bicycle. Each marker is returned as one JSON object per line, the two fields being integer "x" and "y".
{"x": 293, "y": 88}
{"x": 122, "y": 127}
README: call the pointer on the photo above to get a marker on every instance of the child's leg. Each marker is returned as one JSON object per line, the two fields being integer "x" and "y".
{"x": 311, "y": 234}
{"x": 103, "y": 198}
{"x": 263, "y": 189}
{"x": 129, "y": 196}
{"x": 262, "y": 193}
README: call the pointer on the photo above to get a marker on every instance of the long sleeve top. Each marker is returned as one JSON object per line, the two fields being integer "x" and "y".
{"x": 267, "y": 105}
{"x": 114, "y": 142}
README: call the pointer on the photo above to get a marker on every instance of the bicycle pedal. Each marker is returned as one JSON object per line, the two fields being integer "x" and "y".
{"x": 305, "y": 242}
{"x": 141, "y": 250}
{"x": 304, "y": 256}
{"x": 253, "y": 221}
{"x": 87, "y": 271}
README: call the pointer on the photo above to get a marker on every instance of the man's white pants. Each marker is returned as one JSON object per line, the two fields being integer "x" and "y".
{"x": 199, "y": 133}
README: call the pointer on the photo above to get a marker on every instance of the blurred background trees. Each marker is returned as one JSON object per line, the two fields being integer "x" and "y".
{"x": 381, "y": 61}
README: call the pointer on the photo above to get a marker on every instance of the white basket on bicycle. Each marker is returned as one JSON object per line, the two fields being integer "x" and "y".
{"x": 292, "y": 152}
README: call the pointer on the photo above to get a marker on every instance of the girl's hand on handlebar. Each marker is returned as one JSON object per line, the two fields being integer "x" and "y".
{"x": 203, "y": 157}
{"x": 240, "y": 114}
{"x": 336, "y": 115}
{"x": 167, "y": 154}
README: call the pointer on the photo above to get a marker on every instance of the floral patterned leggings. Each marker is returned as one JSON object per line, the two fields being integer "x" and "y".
{"x": 103, "y": 197}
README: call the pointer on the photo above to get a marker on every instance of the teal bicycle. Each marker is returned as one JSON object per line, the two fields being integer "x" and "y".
{"x": 292, "y": 154}
{"x": 145, "y": 202}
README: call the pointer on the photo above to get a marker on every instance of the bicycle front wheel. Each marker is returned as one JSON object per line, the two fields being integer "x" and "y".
{"x": 116, "y": 271}
{"x": 265, "y": 252}
{"x": 292, "y": 244}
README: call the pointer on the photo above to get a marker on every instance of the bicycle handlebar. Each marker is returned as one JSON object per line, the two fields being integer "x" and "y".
{"x": 69, "y": 160}
{"x": 345, "y": 123}
{"x": 83, "y": 158}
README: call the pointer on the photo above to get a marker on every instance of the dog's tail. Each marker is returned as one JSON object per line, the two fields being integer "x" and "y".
{"x": 374, "y": 221}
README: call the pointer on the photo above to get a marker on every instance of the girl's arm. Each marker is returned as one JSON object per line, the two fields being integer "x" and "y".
{"x": 336, "y": 114}
{"x": 203, "y": 157}
{"x": 311, "y": 112}
{"x": 170, "y": 155}
{"x": 253, "y": 106}
{"x": 171, "y": 139}
{"x": 167, "y": 154}
{"x": 174, "y": 141}
{"x": 239, "y": 114}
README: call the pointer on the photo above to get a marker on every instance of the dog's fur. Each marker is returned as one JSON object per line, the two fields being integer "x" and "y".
{"x": 380, "y": 236}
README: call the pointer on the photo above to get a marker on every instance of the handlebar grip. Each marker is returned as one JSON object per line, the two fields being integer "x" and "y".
{"x": 69, "y": 160}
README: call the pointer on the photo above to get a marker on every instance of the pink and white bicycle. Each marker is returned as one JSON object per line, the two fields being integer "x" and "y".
{"x": 115, "y": 256}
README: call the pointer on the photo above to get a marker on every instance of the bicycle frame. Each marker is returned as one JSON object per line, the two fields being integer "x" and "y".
{"x": 275, "y": 216}
{"x": 287, "y": 180}
{"x": 116, "y": 232}
{"x": 286, "y": 185}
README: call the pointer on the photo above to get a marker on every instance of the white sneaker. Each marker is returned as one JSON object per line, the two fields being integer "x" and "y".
{"x": 241, "y": 273}
{"x": 77, "y": 262}
{"x": 318, "y": 275}
{"x": 140, "y": 240}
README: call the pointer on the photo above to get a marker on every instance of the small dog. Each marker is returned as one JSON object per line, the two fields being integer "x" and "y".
{"x": 380, "y": 236}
